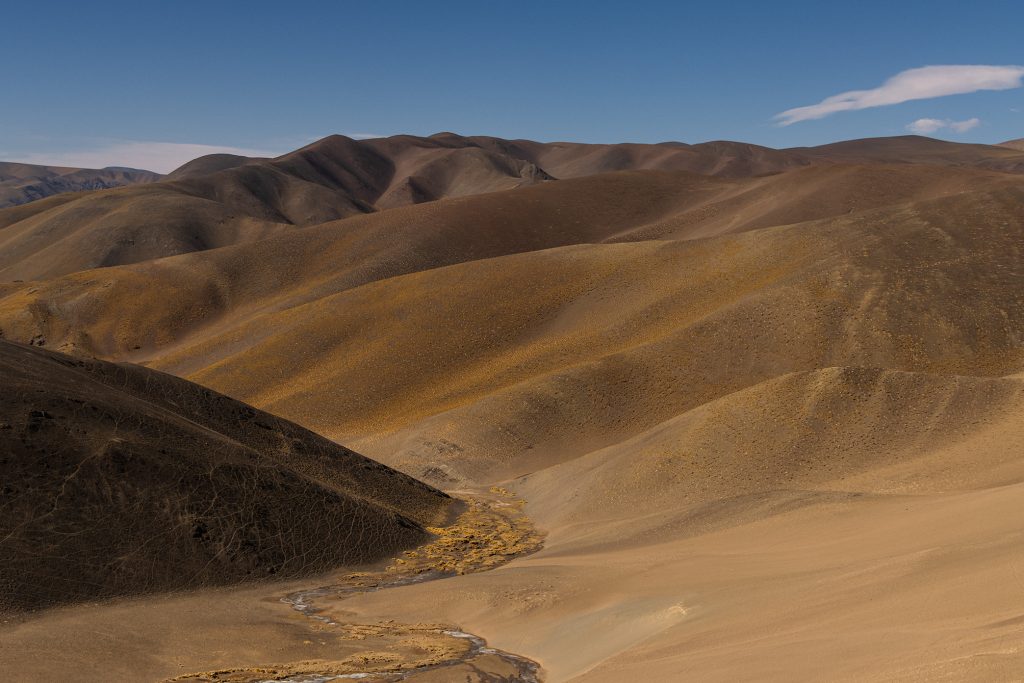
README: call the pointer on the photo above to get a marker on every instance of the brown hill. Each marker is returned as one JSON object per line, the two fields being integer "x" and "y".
{"x": 210, "y": 163}
{"x": 119, "y": 480}
{"x": 915, "y": 149}
{"x": 720, "y": 158}
{"x": 828, "y": 507}
{"x": 223, "y": 288}
{"x": 587, "y": 311}
{"x": 861, "y": 429}
{"x": 792, "y": 377}
{"x": 23, "y": 183}
{"x": 737, "y": 159}
{"x": 1014, "y": 144}
{"x": 222, "y": 200}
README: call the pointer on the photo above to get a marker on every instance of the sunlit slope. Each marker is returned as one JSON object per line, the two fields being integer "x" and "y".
{"x": 916, "y": 149}
{"x": 223, "y": 199}
{"x": 484, "y": 337}
{"x": 112, "y": 311}
{"x": 801, "y": 438}
{"x": 824, "y": 509}
{"x": 521, "y": 360}
{"x": 769, "y": 418}
{"x": 719, "y": 158}
{"x": 220, "y": 200}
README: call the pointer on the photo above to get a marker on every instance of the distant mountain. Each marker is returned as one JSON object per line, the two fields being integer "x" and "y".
{"x": 574, "y": 271}
{"x": 917, "y": 149}
{"x": 24, "y": 183}
{"x": 794, "y": 378}
{"x": 1017, "y": 144}
{"x": 223, "y": 200}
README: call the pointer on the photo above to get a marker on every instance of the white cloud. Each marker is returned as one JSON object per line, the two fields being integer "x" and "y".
{"x": 161, "y": 157}
{"x": 926, "y": 126}
{"x": 964, "y": 126}
{"x": 929, "y": 126}
{"x": 913, "y": 84}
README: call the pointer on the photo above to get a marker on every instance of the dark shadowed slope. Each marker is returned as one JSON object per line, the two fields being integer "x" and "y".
{"x": 23, "y": 183}
{"x": 120, "y": 480}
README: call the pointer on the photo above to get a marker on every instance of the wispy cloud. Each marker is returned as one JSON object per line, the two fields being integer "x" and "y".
{"x": 929, "y": 126}
{"x": 161, "y": 157}
{"x": 913, "y": 84}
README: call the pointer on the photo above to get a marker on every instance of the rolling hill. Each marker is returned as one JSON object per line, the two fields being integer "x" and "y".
{"x": 765, "y": 403}
{"x": 915, "y": 149}
{"x": 224, "y": 200}
{"x": 119, "y": 480}
{"x": 24, "y": 183}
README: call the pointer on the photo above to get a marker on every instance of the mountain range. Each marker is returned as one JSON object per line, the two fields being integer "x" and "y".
{"x": 765, "y": 403}
{"x": 23, "y": 183}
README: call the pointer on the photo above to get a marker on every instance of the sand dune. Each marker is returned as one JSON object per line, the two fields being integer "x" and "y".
{"x": 120, "y": 480}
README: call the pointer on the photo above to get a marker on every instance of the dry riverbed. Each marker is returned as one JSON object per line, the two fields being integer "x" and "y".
{"x": 490, "y": 531}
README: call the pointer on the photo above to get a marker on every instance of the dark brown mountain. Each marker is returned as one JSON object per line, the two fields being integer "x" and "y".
{"x": 223, "y": 200}
{"x": 23, "y": 183}
{"x": 118, "y": 480}
{"x": 793, "y": 377}
{"x": 915, "y": 149}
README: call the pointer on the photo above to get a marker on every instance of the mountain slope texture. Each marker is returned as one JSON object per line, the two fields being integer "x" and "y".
{"x": 120, "y": 480}
{"x": 24, "y": 183}
{"x": 766, "y": 404}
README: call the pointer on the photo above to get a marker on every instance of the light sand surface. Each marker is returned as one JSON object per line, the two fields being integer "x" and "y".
{"x": 877, "y": 588}
{"x": 856, "y": 587}
{"x": 157, "y": 637}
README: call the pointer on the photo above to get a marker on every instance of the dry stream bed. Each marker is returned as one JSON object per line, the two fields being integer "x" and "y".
{"x": 491, "y": 531}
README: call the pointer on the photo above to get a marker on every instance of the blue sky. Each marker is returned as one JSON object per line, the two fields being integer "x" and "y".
{"x": 151, "y": 83}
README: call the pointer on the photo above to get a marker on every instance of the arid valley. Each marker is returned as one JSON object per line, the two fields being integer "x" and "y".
{"x": 456, "y": 408}
{"x": 533, "y": 342}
